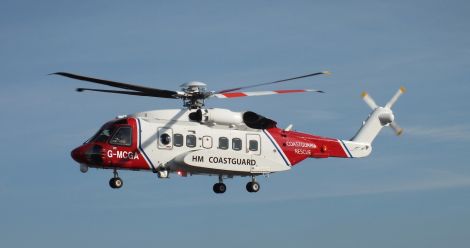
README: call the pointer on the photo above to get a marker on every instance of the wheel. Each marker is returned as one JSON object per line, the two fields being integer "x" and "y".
{"x": 111, "y": 183}
{"x": 219, "y": 188}
{"x": 248, "y": 187}
{"x": 115, "y": 182}
{"x": 118, "y": 182}
{"x": 252, "y": 187}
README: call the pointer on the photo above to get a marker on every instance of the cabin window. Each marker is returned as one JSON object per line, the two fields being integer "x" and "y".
{"x": 190, "y": 140}
{"x": 165, "y": 139}
{"x": 123, "y": 137}
{"x": 236, "y": 144}
{"x": 223, "y": 143}
{"x": 178, "y": 140}
{"x": 253, "y": 145}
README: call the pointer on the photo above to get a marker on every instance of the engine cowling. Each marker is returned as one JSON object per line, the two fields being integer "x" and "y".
{"x": 256, "y": 121}
{"x": 217, "y": 116}
{"x": 227, "y": 117}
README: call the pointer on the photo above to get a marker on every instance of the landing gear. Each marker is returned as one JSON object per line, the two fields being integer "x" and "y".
{"x": 116, "y": 181}
{"x": 219, "y": 188}
{"x": 252, "y": 186}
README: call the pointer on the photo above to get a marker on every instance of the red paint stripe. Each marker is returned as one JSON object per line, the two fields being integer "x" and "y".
{"x": 234, "y": 94}
{"x": 323, "y": 147}
{"x": 288, "y": 91}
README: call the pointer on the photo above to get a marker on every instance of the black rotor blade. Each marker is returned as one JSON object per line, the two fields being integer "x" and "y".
{"x": 134, "y": 93}
{"x": 275, "y": 82}
{"x": 148, "y": 90}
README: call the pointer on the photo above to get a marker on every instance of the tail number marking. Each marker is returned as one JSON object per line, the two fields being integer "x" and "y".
{"x": 123, "y": 155}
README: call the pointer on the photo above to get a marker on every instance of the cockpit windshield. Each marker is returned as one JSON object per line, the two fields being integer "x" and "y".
{"x": 122, "y": 137}
{"x": 103, "y": 134}
{"x": 113, "y": 133}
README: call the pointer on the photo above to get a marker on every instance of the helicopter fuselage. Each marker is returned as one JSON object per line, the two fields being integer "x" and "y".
{"x": 196, "y": 140}
{"x": 169, "y": 141}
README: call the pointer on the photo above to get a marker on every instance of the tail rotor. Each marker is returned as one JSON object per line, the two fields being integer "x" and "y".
{"x": 379, "y": 117}
{"x": 386, "y": 117}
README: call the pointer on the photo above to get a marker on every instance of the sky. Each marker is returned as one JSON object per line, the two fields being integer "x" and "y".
{"x": 413, "y": 191}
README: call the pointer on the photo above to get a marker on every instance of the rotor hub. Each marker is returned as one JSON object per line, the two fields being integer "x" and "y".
{"x": 194, "y": 86}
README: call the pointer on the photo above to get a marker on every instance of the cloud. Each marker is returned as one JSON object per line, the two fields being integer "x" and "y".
{"x": 446, "y": 133}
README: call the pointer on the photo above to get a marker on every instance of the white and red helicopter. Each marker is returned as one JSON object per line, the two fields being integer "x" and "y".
{"x": 196, "y": 140}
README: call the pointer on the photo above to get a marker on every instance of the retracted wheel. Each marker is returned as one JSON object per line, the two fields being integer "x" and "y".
{"x": 115, "y": 182}
{"x": 252, "y": 187}
{"x": 219, "y": 188}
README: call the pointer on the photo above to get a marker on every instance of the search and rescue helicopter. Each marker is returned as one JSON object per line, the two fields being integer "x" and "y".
{"x": 196, "y": 140}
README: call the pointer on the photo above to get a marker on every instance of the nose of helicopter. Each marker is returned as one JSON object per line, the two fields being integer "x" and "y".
{"x": 78, "y": 155}
{"x": 88, "y": 154}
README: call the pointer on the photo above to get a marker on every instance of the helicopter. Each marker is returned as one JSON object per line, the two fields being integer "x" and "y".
{"x": 196, "y": 140}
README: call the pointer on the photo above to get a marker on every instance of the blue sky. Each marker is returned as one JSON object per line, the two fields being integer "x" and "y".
{"x": 413, "y": 191}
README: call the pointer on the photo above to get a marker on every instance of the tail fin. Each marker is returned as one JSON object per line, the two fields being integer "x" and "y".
{"x": 378, "y": 118}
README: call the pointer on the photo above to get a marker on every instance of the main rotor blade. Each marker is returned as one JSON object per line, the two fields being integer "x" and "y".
{"x": 262, "y": 93}
{"x": 134, "y": 93}
{"x": 153, "y": 91}
{"x": 274, "y": 82}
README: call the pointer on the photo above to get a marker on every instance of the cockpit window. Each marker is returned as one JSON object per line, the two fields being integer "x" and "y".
{"x": 103, "y": 134}
{"x": 123, "y": 137}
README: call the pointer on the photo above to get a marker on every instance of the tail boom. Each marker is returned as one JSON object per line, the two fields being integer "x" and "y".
{"x": 295, "y": 147}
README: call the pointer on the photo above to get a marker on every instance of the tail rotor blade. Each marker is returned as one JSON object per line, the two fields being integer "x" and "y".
{"x": 395, "y": 97}
{"x": 369, "y": 100}
{"x": 398, "y": 130}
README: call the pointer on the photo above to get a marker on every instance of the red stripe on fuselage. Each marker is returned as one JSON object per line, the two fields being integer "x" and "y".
{"x": 299, "y": 146}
